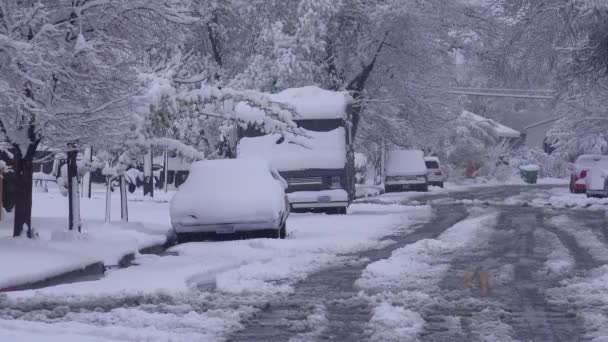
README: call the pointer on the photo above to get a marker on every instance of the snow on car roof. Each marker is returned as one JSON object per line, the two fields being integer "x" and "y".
{"x": 322, "y": 150}
{"x": 500, "y": 129}
{"x": 405, "y": 163}
{"x": 315, "y": 103}
{"x": 589, "y": 157}
{"x": 433, "y": 159}
{"x": 230, "y": 168}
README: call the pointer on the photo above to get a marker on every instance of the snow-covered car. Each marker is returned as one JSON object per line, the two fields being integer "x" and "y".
{"x": 230, "y": 197}
{"x": 405, "y": 170}
{"x": 435, "y": 175}
{"x": 579, "y": 170}
{"x": 595, "y": 182}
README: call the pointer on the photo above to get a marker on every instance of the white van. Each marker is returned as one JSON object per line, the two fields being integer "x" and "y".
{"x": 405, "y": 170}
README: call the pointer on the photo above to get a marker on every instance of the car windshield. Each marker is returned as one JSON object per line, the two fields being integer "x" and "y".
{"x": 431, "y": 164}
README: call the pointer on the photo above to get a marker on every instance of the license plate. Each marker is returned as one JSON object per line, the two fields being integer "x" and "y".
{"x": 225, "y": 230}
{"x": 324, "y": 199}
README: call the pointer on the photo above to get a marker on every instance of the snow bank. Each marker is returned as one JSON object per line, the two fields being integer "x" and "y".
{"x": 405, "y": 163}
{"x": 228, "y": 191}
{"x": 322, "y": 150}
{"x": 56, "y": 252}
{"x": 315, "y": 103}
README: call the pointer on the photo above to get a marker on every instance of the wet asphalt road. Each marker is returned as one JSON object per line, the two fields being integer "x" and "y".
{"x": 493, "y": 293}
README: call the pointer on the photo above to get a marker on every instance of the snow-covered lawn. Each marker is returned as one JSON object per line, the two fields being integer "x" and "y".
{"x": 56, "y": 250}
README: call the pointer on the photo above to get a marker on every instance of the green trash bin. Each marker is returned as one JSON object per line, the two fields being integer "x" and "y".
{"x": 529, "y": 173}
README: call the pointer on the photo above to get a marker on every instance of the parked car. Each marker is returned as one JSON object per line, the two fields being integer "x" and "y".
{"x": 405, "y": 170}
{"x": 435, "y": 175}
{"x": 579, "y": 170}
{"x": 229, "y": 197}
{"x": 595, "y": 182}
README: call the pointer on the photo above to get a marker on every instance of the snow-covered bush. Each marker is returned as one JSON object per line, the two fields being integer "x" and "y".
{"x": 3, "y": 167}
{"x": 551, "y": 165}
{"x": 360, "y": 168}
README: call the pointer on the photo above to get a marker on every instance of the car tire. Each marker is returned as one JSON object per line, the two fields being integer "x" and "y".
{"x": 440, "y": 184}
{"x": 283, "y": 231}
{"x": 336, "y": 211}
{"x": 182, "y": 238}
{"x": 424, "y": 188}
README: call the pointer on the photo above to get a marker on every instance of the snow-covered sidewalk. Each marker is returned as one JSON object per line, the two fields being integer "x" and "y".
{"x": 56, "y": 251}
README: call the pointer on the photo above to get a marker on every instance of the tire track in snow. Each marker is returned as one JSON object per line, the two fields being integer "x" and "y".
{"x": 346, "y": 311}
{"x": 514, "y": 307}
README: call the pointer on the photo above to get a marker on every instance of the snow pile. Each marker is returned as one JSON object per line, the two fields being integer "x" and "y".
{"x": 393, "y": 323}
{"x": 322, "y": 150}
{"x": 225, "y": 191}
{"x": 405, "y": 163}
{"x": 312, "y": 103}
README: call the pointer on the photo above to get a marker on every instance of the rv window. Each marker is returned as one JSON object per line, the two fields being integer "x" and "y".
{"x": 320, "y": 125}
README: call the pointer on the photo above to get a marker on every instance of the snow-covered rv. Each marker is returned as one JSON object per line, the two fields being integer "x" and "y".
{"x": 319, "y": 168}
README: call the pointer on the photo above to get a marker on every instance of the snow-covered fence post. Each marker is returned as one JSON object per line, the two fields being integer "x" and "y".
{"x": 73, "y": 195}
{"x": 124, "y": 211}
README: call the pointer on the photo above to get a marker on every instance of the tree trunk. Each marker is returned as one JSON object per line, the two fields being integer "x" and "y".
{"x": 108, "y": 200}
{"x": 23, "y": 169}
{"x": 148, "y": 175}
{"x": 1, "y": 194}
{"x": 86, "y": 179}
{"x": 73, "y": 193}
{"x": 124, "y": 211}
